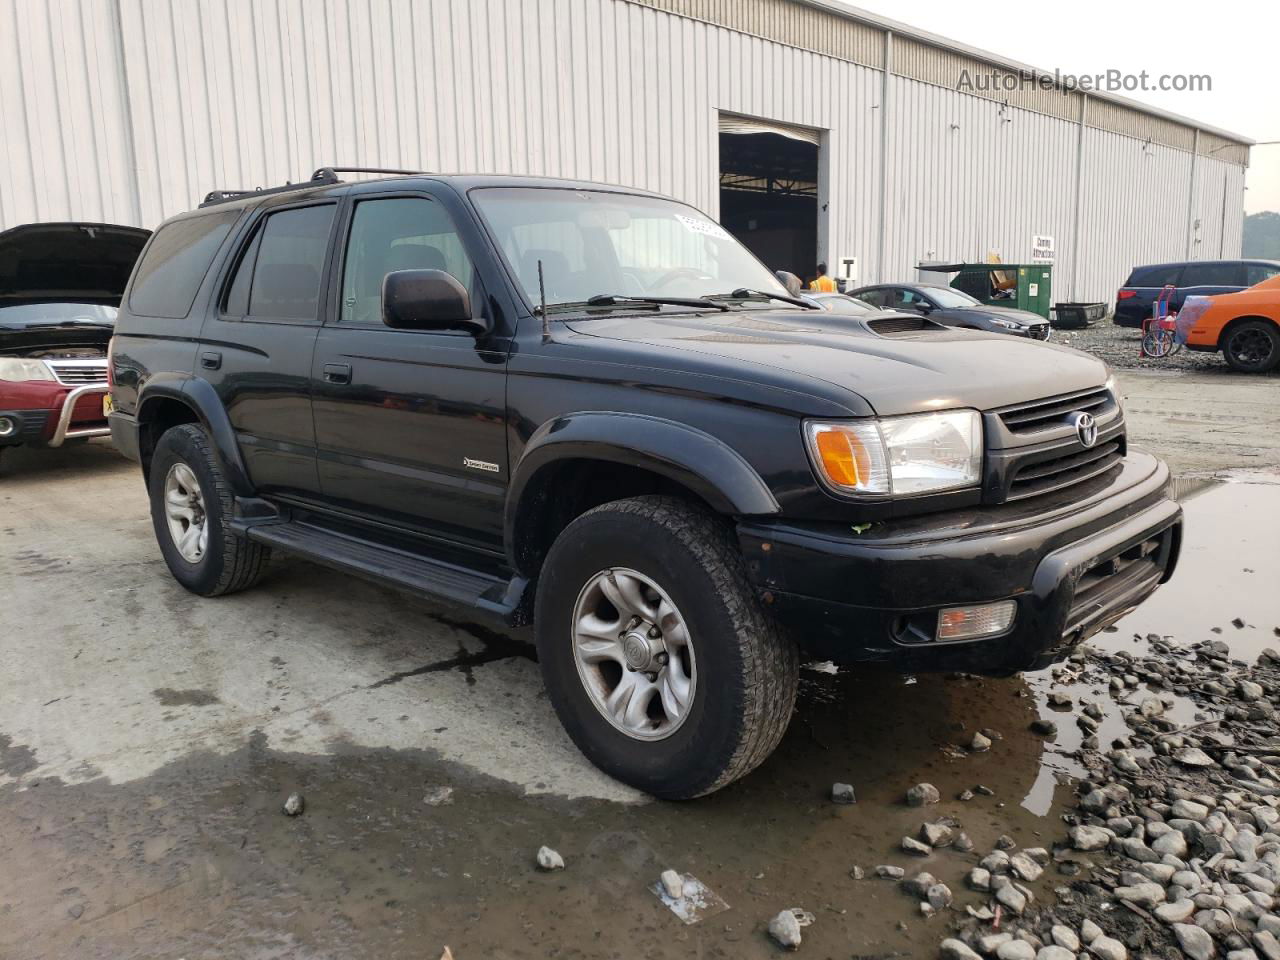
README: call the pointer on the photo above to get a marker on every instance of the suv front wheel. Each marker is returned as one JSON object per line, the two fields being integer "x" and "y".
{"x": 190, "y": 505}
{"x": 657, "y": 656}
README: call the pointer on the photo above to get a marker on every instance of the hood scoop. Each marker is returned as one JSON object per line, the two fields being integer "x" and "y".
{"x": 903, "y": 326}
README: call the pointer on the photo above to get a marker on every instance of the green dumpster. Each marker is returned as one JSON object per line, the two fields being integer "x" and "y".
{"x": 1026, "y": 286}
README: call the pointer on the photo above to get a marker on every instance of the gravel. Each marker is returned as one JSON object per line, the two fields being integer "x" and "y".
{"x": 1119, "y": 346}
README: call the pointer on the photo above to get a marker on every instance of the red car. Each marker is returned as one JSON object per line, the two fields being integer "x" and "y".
{"x": 60, "y": 285}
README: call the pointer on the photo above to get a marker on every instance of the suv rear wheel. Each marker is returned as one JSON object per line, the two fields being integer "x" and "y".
{"x": 190, "y": 505}
{"x": 1252, "y": 346}
{"x": 657, "y": 655}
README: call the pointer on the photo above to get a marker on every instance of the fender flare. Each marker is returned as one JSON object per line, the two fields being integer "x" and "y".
{"x": 202, "y": 399}
{"x": 691, "y": 457}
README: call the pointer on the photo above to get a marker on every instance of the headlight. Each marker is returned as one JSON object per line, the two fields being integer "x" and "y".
{"x": 925, "y": 453}
{"x": 1007, "y": 324}
{"x": 1113, "y": 388}
{"x": 16, "y": 370}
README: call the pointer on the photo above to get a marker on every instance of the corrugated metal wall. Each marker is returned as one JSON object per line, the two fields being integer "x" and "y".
{"x": 130, "y": 110}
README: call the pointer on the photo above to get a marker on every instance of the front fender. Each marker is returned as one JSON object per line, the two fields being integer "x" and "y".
{"x": 704, "y": 464}
{"x": 199, "y": 396}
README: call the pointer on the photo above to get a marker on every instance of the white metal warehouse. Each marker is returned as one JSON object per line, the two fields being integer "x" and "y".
{"x": 812, "y": 129}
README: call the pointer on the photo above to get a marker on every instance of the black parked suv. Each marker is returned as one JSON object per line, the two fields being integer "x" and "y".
{"x": 1193, "y": 278}
{"x": 591, "y": 409}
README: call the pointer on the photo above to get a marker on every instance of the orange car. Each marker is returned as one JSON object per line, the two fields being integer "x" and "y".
{"x": 1245, "y": 326}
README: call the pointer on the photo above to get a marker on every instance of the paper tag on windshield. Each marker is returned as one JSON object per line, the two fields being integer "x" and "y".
{"x": 705, "y": 227}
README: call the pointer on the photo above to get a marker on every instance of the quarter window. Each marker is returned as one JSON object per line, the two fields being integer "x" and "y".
{"x": 175, "y": 263}
{"x": 391, "y": 234}
{"x": 1257, "y": 272}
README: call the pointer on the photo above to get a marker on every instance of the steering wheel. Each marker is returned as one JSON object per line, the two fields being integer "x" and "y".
{"x": 672, "y": 275}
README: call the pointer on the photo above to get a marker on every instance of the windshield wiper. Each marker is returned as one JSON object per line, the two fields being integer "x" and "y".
{"x": 745, "y": 293}
{"x": 620, "y": 299}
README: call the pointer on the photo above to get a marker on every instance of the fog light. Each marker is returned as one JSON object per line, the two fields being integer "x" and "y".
{"x": 7, "y": 427}
{"x": 965, "y": 623}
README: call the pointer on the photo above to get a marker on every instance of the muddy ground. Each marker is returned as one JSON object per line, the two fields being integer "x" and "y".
{"x": 148, "y": 738}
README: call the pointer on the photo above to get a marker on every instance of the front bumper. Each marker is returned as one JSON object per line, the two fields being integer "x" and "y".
{"x": 1074, "y": 563}
{"x": 76, "y": 414}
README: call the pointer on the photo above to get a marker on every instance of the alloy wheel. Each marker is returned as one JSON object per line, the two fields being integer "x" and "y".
{"x": 185, "y": 513}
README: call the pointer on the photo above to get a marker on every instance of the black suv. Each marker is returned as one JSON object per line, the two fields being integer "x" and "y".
{"x": 1193, "y": 278}
{"x": 590, "y": 408}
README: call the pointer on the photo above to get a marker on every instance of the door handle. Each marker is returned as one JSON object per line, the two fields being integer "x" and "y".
{"x": 337, "y": 373}
{"x": 211, "y": 360}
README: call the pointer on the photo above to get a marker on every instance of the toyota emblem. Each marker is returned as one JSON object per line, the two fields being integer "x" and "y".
{"x": 1086, "y": 428}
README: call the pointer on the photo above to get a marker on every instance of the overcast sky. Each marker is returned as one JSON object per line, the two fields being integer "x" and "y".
{"x": 1233, "y": 41}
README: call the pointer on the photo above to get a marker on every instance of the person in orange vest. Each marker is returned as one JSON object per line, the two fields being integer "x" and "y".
{"x": 822, "y": 283}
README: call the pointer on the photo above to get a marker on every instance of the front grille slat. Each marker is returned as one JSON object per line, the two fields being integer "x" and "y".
{"x": 1047, "y": 476}
{"x": 1050, "y": 411}
{"x": 80, "y": 372}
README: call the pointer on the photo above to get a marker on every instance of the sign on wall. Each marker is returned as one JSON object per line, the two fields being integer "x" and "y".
{"x": 1042, "y": 249}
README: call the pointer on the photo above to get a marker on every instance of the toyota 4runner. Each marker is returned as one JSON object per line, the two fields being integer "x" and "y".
{"x": 589, "y": 408}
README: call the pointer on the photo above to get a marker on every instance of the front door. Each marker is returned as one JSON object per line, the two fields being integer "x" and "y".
{"x": 410, "y": 425}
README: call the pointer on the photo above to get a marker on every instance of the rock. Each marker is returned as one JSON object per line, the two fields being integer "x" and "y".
{"x": 962, "y": 843}
{"x": 985, "y": 791}
{"x": 936, "y": 834}
{"x": 979, "y": 879}
{"x": 989, "y": 943}
{"x": 997, "y": 861}
{"x": 294, "y": 804}
{"x": 922, "y": 794}
{"x": 672, "y": 883}
{"x": 1065, "y": 937}
{"x": 918, "y": 884}
{"x": 965, "y": 795}
{"x": 1005, "y": 842}
{"x": 980, "y": 744}
{"x": 1106, "y": 948}
{"x": 548, "y": 859}
{"x": 953, "y": 949}
{"x": 1248, "y": 690}
{"x": 1135, "y": 849}
{"x": 1011, "y": 897}
{"x": 1053, "y": 952}
{"x": 1195, "y": 943}
{"x": 939, "y": 896}
{"x": 1016, "y": 950}
{"x": 1038, "y": 855}
{"x": 914, "y": 846}
{"x": 890, "y": 872}
{"x": 842, "y": 793}
{"x": 1089, "y": 931}
{"x": 1089, "y": 838}
{"x": 1151, "y": 707}
{"x": 785, "y": 929}
{"x": 1193, "y": 757}
{"x": 1172, "y": 844}
{"x": 1059, "y": 699}
{"x": 75, "y": 911}
{"x": 856, "y": 873}
{"x": 1245, "y": 954}
{"x": 1024, "y": 868}
{"x": 1188, "y": 810}
{"x": 1141, "y": 894}
{"x": 1267, "y": 944}
{"x": 1045, "y": 728}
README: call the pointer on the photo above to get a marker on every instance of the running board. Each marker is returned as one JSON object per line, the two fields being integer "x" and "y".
{"x": 434, "y": 579}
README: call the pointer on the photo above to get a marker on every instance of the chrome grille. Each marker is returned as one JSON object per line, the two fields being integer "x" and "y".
{"x": 1051, "y": 412}
{"x": 1040, "y": 332}
{"x": 1044, "y": 476}
{"x": 77, "y": 373}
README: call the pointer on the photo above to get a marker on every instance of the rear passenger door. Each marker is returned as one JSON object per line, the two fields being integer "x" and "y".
{"x": 256, "y": 349}
{"x": 411, "y": 424}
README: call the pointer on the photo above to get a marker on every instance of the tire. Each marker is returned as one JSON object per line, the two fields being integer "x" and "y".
{"x": 744, "y": 669}
{"x": 1252, "y": 346}
{"x": 225, "y": 562}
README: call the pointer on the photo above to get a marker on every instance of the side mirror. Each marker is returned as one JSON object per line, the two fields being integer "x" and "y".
{"x": 427, "y": 300}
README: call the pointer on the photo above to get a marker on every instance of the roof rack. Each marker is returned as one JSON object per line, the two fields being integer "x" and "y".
{"x": 322, "y": 176}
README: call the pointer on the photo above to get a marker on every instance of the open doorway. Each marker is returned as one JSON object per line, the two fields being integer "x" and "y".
{"x": 769, "y": 192}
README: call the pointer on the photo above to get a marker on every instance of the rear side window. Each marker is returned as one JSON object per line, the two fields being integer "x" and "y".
{"x": 1212, "y": 275}
{"x": 175, "y": 264}
{"x": 877, "y": 298}
{"x": 1257, "y": 272}
{"x": 278, "y": 276}
{"x": 1154, "y": 276}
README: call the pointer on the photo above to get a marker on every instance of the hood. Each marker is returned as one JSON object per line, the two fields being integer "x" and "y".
{"x": 69, "y": 262}
{"x": 28, "y": 327}
{"x": 1024, "y": 317}
{"x": 932, "y": 368}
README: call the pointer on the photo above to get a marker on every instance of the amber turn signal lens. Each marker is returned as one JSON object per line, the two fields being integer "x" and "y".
{"x": 843, "y": 458}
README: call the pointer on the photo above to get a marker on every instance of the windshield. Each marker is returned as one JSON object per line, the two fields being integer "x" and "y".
{"x": 947, "y": 297}
{"x": 593, "y": 243}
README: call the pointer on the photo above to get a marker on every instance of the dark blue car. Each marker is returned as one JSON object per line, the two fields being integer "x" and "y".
{"x": 1197, "y": 278}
